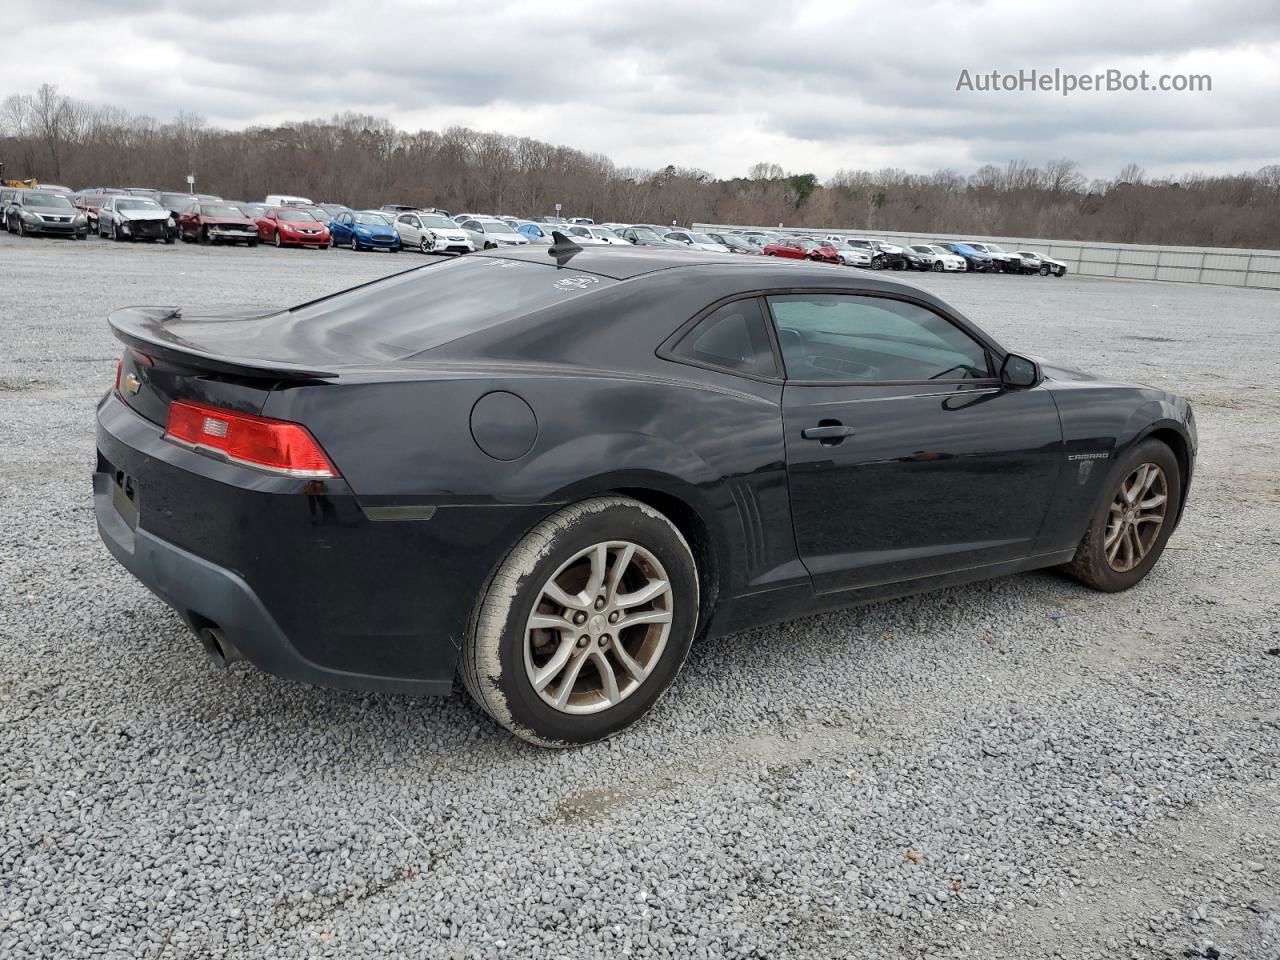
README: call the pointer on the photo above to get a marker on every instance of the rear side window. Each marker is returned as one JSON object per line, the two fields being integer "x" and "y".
{"x": 732, "y": 337}
{"x": 419, "y": 309}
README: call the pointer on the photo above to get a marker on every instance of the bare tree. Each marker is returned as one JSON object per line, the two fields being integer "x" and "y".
{"x": 365, "y": 160}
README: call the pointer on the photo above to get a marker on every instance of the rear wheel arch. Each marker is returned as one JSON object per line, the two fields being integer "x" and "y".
{"x": 702, "y": 542}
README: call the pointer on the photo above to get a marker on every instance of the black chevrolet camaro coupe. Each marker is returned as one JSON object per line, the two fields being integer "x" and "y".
{"x": 549, "y": 471}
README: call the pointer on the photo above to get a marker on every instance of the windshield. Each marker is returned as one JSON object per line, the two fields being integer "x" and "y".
{"x": 418, "y": 310}
{"x": 371, "y": 220}
{"x": 253, "y": 210}
{"x": 295, "y": 215}
{"x": 137, "y": 204}
{"x": 495, "y": 226}
{"x": 993, "y": 248}
{"x": 438, "y": 223}
{"x": 54, "y": 200}
{"x": 839, "y": 245}
{"x": 701, "y": 238}
{"x": 219, "y": 210}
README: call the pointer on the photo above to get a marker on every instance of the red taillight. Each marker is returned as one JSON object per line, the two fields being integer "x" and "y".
{"x": 275, "y": 445}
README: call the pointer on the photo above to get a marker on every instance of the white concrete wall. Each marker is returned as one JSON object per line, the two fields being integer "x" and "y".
{"x": 1222, "y": 265}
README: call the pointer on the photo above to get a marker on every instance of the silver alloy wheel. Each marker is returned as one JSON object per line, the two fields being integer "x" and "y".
{"x": 1136, "y": 517}
{"x": 598, "y": 628}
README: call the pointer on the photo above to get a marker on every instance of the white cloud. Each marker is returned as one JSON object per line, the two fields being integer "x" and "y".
{"x": 716, "y": 86}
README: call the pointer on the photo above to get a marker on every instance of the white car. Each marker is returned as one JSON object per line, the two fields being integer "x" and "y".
{"x": 432, "y": 233}
{"x": 490, "y": 232}
{"x": 943, "y": 259}
{"x": 597, "y": 235}
{"x": 285, "y": 200}
{"x": 1048, "y": 265}
{"x": 136, "y": 218}
{"x": 850, "y": 255}
{"x": 698, "y": 241}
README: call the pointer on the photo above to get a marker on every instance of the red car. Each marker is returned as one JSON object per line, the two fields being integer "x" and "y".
{"x": 797, "y": 248}
{"x": 217, "y": 223}
{"x": 289, "y": 226}
{"x": 89, "y": 204}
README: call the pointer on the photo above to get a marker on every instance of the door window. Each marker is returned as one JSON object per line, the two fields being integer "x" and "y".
{"x": 859, "y": 339}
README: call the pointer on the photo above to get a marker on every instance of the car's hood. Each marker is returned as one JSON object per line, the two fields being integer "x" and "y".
{"x": 374, "y": 228}
{"x": 1057, "y": 371}
{"x": 53, "y": 211}
{"x": 228, "y": 221}
{"x": 450, "y": 233}
{"x": 143, "y": 214}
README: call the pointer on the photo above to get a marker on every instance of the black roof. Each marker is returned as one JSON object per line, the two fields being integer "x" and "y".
{"x": 624, "y": 263}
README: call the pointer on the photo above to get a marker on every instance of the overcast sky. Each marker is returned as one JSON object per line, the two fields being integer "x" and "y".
{"x": 814, "y": 87}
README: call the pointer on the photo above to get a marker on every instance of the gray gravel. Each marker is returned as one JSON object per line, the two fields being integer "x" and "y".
{"x": 1020, "y": 768}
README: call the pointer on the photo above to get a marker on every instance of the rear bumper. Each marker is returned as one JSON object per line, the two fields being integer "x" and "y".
{"x": 294, "y": 573}
{"x": 187, "y": 582}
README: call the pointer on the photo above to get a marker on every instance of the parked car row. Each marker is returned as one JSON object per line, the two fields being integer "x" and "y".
{"x": 142, "y": 213}
{"x": 946, "y": 256}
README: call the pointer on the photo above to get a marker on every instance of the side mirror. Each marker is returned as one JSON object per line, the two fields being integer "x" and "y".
{"x": 1019, "y": 372}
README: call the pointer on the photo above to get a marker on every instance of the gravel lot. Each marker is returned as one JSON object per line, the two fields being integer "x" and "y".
{"x": 1015, "y": 769}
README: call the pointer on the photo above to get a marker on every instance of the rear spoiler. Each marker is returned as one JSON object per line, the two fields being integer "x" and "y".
{"x": 151, "y": 330}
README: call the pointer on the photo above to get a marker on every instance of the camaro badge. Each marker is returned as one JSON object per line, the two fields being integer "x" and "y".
{"x": 131, "y": 383}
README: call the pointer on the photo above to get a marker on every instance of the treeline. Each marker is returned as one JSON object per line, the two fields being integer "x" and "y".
{"x": 364, "y": 160}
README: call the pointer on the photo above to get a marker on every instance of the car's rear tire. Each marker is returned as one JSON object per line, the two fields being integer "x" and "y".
{"x": 555, "y": 612}
{"x": 1128, "y": 530}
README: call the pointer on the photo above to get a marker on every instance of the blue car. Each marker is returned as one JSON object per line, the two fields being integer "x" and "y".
{"x": 539, "y": 232}
{"x": 975, "y": 260}
{"x": 362, "y": 230}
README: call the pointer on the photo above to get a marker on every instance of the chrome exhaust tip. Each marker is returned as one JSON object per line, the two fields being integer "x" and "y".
{"x": 221, "y": 652}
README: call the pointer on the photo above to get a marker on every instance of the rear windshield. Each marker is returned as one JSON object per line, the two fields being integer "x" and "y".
{"x": 420, "y": 309}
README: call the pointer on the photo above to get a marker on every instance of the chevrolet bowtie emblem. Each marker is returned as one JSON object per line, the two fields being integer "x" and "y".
{"x": 131, "y": 383}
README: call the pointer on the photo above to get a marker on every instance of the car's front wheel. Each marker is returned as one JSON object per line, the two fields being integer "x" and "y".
{"x": 1129, "y": 529}
{"x": 585, "y": 624}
